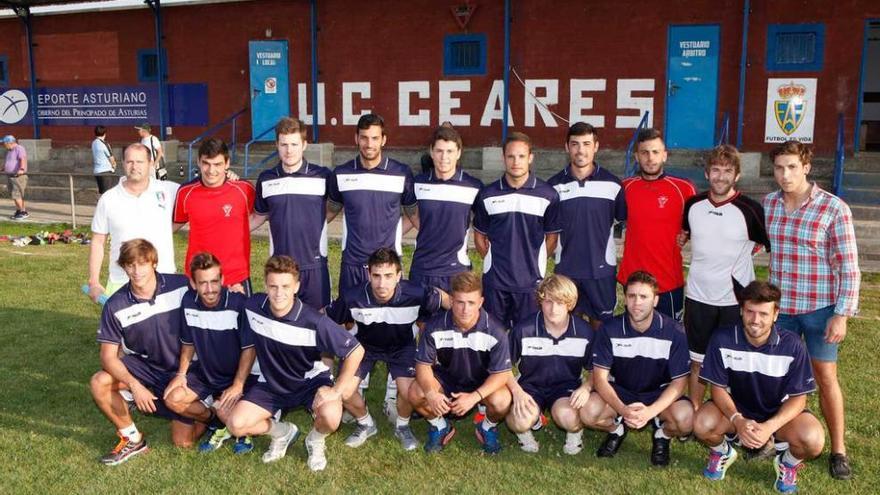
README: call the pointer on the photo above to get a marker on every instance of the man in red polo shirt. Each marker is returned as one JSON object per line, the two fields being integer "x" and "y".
{"x": 655, "y": 205}
{"x": 218, "y": 210}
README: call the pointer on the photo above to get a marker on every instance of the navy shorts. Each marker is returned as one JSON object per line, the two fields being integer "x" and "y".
{"x": 509, "y": 307}
{"x": 440, "y": 281}
{"x": 401, "y": 362}
{"x": 546, "y": 397}
{"x": 451, "y": 386}
{"x": 597, "y": 298}
{"x": 196, "y": 381}
{"x": 352, "y": 276}
{"x": 261, "y": 395}
{"x": 156, "y": 381}
{"x": 647, "y": 399}
{"x": 671, "y": 303}
{"x": 314, "y": 286}
{"x": 700, "y": 320}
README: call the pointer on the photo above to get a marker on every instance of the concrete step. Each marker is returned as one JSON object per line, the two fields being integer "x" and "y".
{"x": 863, "y": 161}
{"x": 862, "y": 195}
{"x": 865, "y": 212}
{"x": 861, "y": 179}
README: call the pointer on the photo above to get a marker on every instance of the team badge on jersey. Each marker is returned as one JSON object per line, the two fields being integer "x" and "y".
{"x": 661, "y": 201}
{"x": 227, "y": 210}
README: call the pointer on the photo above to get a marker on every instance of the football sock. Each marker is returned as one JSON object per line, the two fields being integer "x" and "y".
{"x": 723, "y": 448}
{"x": 659, "y": 433}
{"x": 366, "y": 420}
{"x": 401, "y": 421}
{"x": 439, "y": 422}
{"x": 488, "y": 424}
{"x": 790, "y": 460}
{"x": 278, "y": 429}
{"x": 619, "y": 430}
{"x": 574, "y": 438}
{"x": 316, "y": 436}
{"x": 131, "y": 433}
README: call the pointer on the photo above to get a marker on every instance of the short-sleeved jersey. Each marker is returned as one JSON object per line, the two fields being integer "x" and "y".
{"x": 723, "y": 239}
{"x": 124, "y": 216}
{"x": 642, "y": 363}
{"x": 150, "y": 328}
{"x": 219, "y": 224}
{"x": 545, "y": 362}
{"x": 296, "y": 206}
{"x": 758, "y": 379}
{"x": 588, "y": 210}
{"x": 464, "y": 357}
{"x": 445, "y": 208}
{"x": 654, "y": 213}
{"x": 515, "y": 221}
{"x": 215, "y": 333}
{"x": 371, "y": 201}
{"x": 381, "y": 327}
{"x": 289, "y": 347}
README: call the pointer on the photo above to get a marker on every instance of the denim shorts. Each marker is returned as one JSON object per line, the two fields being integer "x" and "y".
{"x": 811, "y": 326}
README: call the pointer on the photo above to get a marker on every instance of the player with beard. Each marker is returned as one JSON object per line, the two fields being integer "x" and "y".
{"x": 655, "y": 204}
{"x": 725, "y": 228}
{"x": 640, "y": 369}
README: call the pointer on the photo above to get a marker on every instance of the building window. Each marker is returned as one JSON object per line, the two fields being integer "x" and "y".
{"x": 4, "y": 70}
{"x": 148, "y": 65}
{"x": 464, "y": 55}
{"x": 795, "y": 47}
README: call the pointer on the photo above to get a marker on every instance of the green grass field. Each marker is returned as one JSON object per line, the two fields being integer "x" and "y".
{"x": 51, "y": 434}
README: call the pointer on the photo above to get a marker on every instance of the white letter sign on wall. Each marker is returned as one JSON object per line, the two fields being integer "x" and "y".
{"x": 348, "y": 90}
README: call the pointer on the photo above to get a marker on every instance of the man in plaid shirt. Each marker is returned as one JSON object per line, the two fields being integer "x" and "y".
{"x": 814, "y": 261}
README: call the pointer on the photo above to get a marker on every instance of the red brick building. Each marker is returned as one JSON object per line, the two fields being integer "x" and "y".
{"x": 418, "y": 63}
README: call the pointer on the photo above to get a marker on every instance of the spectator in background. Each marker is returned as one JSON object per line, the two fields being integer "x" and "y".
{"x": 103, "y": 163}
{"x": 16, "y": 173}
{"x": 157, "y": 153}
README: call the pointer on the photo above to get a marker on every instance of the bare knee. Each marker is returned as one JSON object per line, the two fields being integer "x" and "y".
{"x": 100, "y": 383}
{"x": 566, "y": 417}
{"x": 498, "y": 402}
{"x": 176, "y": 400}
{"x": 707, "y": 423}
{"x": 520, "y": 423}
{"x": 182, "y": 434}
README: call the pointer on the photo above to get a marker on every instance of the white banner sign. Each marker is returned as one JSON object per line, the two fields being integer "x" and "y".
{"x": 791, "y": 110}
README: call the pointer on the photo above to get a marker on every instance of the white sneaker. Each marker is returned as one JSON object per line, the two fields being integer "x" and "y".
{"x": 528, "y": 443}
{"x": 278, "y": 446}
{"x": 317, "y": 458}
{"x": 390, "y": 410}
{"x": 572, "y": 447}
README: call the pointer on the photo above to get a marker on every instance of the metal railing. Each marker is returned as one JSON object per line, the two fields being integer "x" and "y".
{"x": 247, "y": 152}
{"x": 189, "y": 153}
{"x": 71, "y": 190}
{"x": 839, "y": 158}
{"x": 631, "y": 168}
{"x": 723, "y": 133}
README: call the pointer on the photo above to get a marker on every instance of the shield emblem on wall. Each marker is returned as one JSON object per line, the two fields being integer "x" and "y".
{"x": 789, "y": 114}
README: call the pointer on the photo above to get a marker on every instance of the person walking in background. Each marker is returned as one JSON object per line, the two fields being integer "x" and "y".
{"x": 103, "y": 163}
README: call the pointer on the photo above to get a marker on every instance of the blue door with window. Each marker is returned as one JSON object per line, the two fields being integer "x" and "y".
{"x": 692, "y": 86}
{"x": 270, "y": 87}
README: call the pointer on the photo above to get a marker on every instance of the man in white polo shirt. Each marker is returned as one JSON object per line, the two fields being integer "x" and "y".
{"x": 138, "y": 207}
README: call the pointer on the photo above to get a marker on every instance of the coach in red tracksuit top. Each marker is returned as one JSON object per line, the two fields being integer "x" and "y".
{"x": 218, "y": 211}
{"x": 655, "y": 205}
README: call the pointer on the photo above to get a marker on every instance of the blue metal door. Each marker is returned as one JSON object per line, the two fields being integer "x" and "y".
{"x": 270, "y": 87}
{"x": 692, "y": 86}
